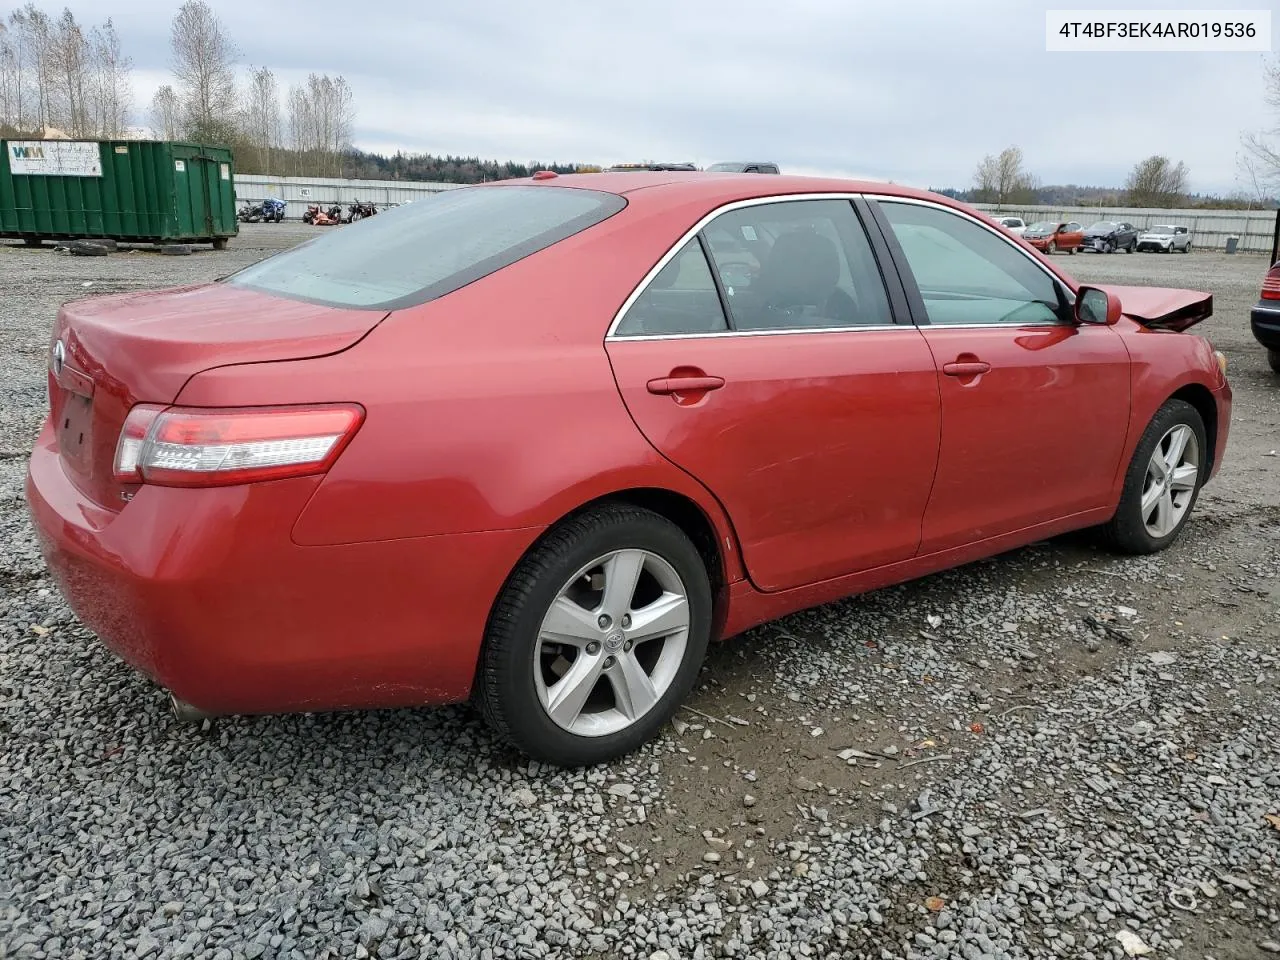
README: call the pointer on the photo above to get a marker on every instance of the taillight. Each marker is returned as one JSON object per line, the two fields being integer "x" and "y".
{"x": 191, "y": 447}
{"x": 1271, "y": 284}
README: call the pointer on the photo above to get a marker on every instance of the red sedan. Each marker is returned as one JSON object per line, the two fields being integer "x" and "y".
{"x": 539, "y": 442}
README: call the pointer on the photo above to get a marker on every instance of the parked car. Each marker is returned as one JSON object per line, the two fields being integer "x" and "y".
{"x": 1108, "y": 236}
{"x": 358, "y": 474}
{"x": 736, "y": 166}
{"x": 1165, "y": 238}
{"x": 1050, "y": 236}
{"x": 1264, "y": 318}
{"x": 1014, "y": 225}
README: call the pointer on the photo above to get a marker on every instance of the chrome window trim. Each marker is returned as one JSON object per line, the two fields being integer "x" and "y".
{"x": 676, "y": 247}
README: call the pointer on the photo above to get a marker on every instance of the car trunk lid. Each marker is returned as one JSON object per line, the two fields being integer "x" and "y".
{"x": 1164, "y": 308}
{"x": 110, "y": 353}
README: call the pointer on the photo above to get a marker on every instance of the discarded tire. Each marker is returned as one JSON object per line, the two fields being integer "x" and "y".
{"x": 87, "y": 248}
{"x": 110, "y": 244}
{"x": 175, "y": 250}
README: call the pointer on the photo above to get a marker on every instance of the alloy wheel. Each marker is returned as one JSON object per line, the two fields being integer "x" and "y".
{"x": 612, "y": 642}
{"x": 1170, "y": 483}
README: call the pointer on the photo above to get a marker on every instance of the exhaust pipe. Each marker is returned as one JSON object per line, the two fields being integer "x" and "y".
{"x": 184, "y": 712}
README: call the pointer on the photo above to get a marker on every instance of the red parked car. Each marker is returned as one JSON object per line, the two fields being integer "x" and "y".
{"x": 538, "y": 442}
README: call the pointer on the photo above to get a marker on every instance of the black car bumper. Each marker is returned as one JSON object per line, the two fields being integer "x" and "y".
{"x": 1265, "y": 321}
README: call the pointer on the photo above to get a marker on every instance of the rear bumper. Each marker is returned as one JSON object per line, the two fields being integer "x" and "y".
{"x": 205, "y": 593}
{"x": 1264, "y": 320}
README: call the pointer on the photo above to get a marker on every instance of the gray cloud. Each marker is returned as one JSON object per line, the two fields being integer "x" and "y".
{"x": 912, "y": 91}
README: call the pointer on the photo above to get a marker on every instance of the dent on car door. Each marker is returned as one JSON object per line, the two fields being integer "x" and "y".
{"x": 782, "y": 383}
{"x": 1034, "y": 407}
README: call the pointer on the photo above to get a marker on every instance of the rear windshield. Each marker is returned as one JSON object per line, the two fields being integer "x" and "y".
{"x": 420, "y": 251}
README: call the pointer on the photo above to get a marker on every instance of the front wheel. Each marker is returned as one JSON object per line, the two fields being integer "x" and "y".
{"x": 596, "y": 638}
{"x": 1053, "y": 247}
{"x": 1163, "y": 481}
{"x": 1108, "y": 248}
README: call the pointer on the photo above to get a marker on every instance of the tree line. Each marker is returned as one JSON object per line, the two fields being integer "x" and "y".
{"x": 56, "y": 73}
{"x": 1002, "y": 179}
{"x": 309, "y": 134}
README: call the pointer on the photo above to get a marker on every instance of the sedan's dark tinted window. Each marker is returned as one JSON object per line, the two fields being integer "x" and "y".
{"x": 797, "y": 265}
{"x": 424, "y": 250}
{"x": 682, "y": 298}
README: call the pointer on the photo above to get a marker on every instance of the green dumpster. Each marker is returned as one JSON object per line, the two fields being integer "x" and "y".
{"x": 135, "y": 191}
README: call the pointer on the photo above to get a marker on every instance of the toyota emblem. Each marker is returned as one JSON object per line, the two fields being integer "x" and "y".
{"x": 59, "y": 357}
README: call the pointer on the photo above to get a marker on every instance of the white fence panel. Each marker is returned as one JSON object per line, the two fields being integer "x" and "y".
{"x": 1209, "y": 228}
{"x": 298, "y": 192}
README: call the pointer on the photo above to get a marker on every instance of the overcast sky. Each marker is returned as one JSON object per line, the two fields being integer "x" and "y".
{"x": 910, "y": 90}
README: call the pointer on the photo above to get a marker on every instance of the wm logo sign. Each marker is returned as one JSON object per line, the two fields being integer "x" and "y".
{"x": 28, "y": 153}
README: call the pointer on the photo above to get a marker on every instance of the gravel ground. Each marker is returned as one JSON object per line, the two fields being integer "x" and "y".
{"x": 1055, "y": 753}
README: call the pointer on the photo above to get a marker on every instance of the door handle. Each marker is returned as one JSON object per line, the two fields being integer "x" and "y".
{"x": 670, "y": 385}
{"x": 965, "y": 368}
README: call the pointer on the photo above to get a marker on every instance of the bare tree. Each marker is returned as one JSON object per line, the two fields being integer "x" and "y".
{"x": 70, "y": 61}
{"x": 203, "y": 63}
{"x": 112, "y": 90}
{"x": 1156, "y": 182}
{"x": 32, "y": 42}
{"x": 1002, "y": 179}
{"x": 321, "y": 117}
{"x": 10, "y": 79}
{"x": 262, "y": 114}
{"x": 166, "y": 114}
{"x": 1260, "y": 147}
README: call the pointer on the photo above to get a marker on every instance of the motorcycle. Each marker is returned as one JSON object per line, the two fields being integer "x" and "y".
{"x": 358, "y": 211}
{"x": 318, "y": 216}
{"x": 273, "y": 210}
{"x": 270, "y": 210}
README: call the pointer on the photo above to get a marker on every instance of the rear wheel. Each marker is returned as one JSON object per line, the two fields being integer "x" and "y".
{"x": 1273, "y": 358}
{"x": 1187, "y": 248}
{"x": 1162, "y": 482}
{"x": 596, "y": 638}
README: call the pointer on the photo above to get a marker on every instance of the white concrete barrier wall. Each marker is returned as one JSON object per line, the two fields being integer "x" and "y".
{"x": 1209, "y": 228}
{"x": 299, "y": 192}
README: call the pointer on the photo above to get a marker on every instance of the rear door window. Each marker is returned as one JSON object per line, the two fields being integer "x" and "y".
{"x": 681, "y": 299}
{"x": 424, "y": 250}
{"x": 797, "y": 265}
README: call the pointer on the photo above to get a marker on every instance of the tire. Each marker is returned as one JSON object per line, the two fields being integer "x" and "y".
{"x": 1109, "y": 247}
{"x": 1051, "y": 249}
{"x": 1132, "y": 248}
{"x": 1187, "y": 248}
{"x": 1273, "y": 358}
{"x": 87, "y": 248}
{"x": 1129, "y": 531}
{"x": 517, "y": 670}
{"x": 1072, "y": 251}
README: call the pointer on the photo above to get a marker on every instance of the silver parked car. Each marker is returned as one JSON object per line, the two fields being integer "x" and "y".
{"x": 1013, "y": 224}
{"x": 1165, "y": 238}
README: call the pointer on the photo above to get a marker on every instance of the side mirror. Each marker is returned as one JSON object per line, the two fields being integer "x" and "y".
{"x": 1094, "y": 305}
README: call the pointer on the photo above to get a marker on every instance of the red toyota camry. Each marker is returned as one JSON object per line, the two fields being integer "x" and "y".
{"x": 538, "y": 442}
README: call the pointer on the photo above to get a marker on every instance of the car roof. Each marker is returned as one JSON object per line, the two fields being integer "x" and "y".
{"x": 671, "y": 187}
